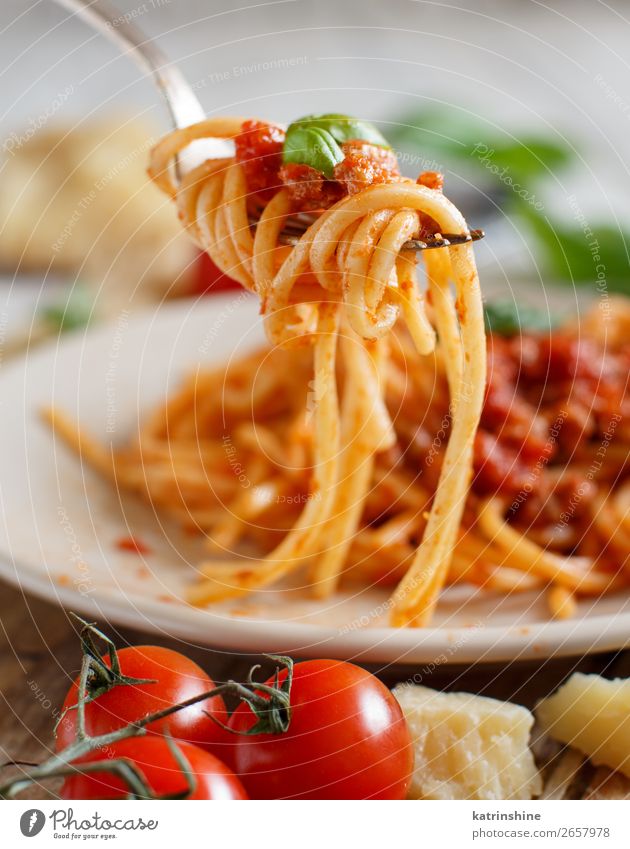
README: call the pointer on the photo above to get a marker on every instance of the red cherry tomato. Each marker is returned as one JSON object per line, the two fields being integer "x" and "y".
{"x": 177, "y": 678}
{"x": 210, "y": 279}
{"x": 164, "y": 776}
{"x": 347, "y": 739}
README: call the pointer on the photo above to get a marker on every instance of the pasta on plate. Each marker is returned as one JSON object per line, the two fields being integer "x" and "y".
{"x": 359, "y": 428}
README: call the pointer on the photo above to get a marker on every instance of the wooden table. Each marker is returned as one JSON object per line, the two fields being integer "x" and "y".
{"x": 40, "y": 655}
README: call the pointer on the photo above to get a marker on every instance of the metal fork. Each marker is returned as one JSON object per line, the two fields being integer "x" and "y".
{"x": 184, "y": 108}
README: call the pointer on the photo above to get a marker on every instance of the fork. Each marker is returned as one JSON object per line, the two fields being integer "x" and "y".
{"x": 185, "y": 109}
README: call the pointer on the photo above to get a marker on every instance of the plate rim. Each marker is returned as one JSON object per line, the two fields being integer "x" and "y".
{"x": 399, "y": 646}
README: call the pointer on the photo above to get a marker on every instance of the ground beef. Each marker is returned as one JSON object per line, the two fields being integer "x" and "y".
{"x": 259, "y": 151}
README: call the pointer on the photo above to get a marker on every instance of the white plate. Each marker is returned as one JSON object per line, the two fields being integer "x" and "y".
{"x": 60, "y": 521}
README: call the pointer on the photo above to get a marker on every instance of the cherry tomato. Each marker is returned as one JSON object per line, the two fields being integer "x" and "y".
{"x": 164, "y": 776}
{"x": 347, "y": 739}
{"x": 209, "y": 278}
{"x": 177, "y": 678}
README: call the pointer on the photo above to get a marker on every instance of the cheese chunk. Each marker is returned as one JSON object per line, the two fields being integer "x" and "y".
{"x": 591, "y": 714}
{"x": 468, "y": 747}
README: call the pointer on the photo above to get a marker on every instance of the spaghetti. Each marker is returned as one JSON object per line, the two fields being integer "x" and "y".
{"x": 326, "y": 429}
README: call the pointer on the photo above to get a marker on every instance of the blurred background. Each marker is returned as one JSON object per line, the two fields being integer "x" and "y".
{"x": 524, "y": 105}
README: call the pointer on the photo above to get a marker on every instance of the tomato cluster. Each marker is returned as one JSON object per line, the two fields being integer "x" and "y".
{"x": 346, "y": 737}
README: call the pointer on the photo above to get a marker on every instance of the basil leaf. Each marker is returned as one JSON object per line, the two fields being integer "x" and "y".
{"x": 509, "y": 319}
{"x": 598, "y": 259}
{"x": 458, "y": 140}
{"x": 343, "y": 128}
{"x": 315, "y": 140}
{"x": 312, "y": 146}
{"x": 70, "y": 312}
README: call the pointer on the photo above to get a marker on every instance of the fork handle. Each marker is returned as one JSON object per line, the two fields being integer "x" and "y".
{"x": 183, "y": 105}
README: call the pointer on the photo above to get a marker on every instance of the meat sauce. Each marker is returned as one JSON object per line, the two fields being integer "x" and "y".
{"x": 554, "y": 423}
{"x": 259, "y": 151}
{"x": 551, "y": 402}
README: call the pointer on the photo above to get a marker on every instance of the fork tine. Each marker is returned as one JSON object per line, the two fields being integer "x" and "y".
{"x": 443, "y": 240}
{"x": 291, "y": 236}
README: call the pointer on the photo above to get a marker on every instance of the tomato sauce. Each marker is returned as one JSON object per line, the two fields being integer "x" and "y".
{"x": 132, "y": 544}
{"x": 552, "y": 401}
{"x": 259, "y": 151}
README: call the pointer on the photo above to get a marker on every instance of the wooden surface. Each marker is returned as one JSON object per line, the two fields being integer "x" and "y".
{"x": 40, "y": 655}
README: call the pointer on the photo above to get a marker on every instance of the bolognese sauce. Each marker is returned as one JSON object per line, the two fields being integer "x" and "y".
{"x": 555, "y": 418}
{"x": 259, "y": 151}
{"x": 552, "y": 401}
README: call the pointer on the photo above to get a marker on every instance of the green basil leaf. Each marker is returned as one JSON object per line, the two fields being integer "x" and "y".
{"x": 312, "y": 146}
{"x": 598, "y": 259}
{"x": 509, "y": 319}
{"x": 461, "y": 141}
{"x": 343, "y": 128}
{"x": 71, "y": 311}
{"x": 315, "y": 140}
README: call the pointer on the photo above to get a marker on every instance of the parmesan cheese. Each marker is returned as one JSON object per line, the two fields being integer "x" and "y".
{"x": 468, "y": 747}
{"x": 592, "y": 714}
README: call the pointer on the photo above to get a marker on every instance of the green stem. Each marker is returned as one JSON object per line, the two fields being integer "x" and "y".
{"x": 86, "y": 665}
{"x": 273, "y": 717}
